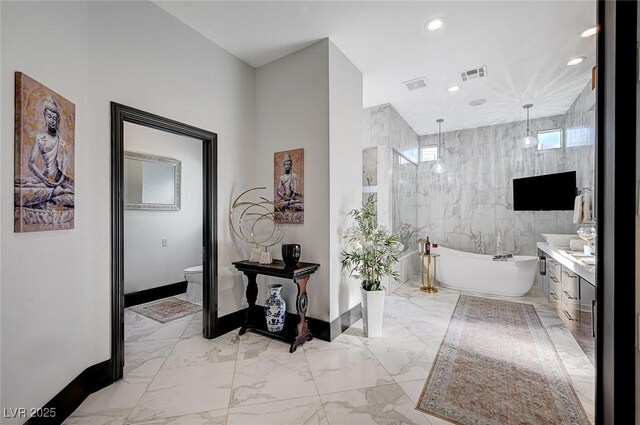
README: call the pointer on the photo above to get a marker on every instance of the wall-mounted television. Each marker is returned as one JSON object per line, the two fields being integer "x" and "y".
{"x": 548, "y": 192}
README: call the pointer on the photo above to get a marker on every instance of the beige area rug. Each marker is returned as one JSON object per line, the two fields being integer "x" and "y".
{"x": 167, "y": 309}
{"x": 497, "y": 365}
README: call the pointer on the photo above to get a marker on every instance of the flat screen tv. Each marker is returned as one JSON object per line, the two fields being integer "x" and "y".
{"x": 548, "y": 192}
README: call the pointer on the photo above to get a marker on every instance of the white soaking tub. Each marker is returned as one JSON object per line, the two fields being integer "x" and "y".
{"x": 479, "y": 273}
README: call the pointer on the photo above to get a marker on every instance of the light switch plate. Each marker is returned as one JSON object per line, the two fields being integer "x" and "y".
{"x": 165, "y": 242}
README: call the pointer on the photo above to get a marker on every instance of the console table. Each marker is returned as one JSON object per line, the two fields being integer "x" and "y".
{"x": 298, "y": 333}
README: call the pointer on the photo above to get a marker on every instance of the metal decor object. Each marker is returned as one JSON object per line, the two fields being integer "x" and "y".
{"x": 432, "y": 284}
{"x": 254, "y": 223}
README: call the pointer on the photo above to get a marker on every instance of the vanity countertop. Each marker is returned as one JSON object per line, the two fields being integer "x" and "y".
{"x": 568, "y": 260}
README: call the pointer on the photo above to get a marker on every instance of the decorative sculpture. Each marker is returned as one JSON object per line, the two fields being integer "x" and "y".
{"x": 254, "y": 223}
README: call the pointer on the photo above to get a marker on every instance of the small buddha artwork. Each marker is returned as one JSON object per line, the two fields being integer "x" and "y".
{"x": 288, "y": 186}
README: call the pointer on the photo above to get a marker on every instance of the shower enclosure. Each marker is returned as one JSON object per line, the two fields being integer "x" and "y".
{"x": 390, "y": 174}
{"x": 404, "y": 177}
{"x": 404, "y": 213}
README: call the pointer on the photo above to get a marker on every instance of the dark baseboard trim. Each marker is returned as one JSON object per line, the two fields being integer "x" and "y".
{"x": 152, "y": 294}
{"x": 229, "y": 322}
{"x": 319, "y": 328}
{"x": 59, "y": 408}
{"x": 346, "y": 319}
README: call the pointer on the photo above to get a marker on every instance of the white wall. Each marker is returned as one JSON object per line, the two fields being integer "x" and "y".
{"x": 312, "y": 99}
{"x": 345, "y": 171}
{"x": 292, "y": 111}
{"x": 147, "y": 264}
{"x": 54, "y": 324}
{"x": 56, "y": 285}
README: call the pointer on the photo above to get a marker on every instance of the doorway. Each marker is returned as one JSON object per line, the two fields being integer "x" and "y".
{"x": 120, "y": 115}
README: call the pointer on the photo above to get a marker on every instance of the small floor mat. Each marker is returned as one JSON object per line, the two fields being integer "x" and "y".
{"x": 167, "y": 309}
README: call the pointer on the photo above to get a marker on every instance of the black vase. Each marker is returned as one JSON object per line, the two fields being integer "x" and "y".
{"x": 291, "y": 253}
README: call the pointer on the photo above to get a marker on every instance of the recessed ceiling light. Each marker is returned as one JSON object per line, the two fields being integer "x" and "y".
{"x": 453, "y": 88}
{"x": 589, "y": 32}
{"x": 576, "y": 61}
{"x": 434, "y": 24}
{"x": 477, "y": 102}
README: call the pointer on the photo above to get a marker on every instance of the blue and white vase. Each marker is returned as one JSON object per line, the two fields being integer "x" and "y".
{"x": 275, "y": 309}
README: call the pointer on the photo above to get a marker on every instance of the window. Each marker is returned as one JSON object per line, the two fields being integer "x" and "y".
{"x": 429, "y": 153}
{"x": 550, "y": 139}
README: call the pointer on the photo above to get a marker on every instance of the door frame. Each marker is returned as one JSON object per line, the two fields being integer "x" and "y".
{"x": 615, "y": 208}
{"x": 119, "y": 115}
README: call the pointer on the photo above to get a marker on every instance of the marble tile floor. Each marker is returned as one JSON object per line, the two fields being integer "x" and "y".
{"x": 174, "y": 376}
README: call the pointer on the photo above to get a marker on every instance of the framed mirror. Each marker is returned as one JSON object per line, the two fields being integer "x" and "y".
{"x": 151, "y": 182}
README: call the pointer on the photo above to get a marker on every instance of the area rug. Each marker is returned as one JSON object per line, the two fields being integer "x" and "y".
{"x": 497, "y": 365}
{"x": 167, "y": 309}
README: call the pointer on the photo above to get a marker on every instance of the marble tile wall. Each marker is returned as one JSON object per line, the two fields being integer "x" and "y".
{"x": 389, "y": 134}
{"x": 476, "y": 195}
{"x": 580, "y": 131}
{"x": 370, "y": 167}
{"x": 402, "y": 137}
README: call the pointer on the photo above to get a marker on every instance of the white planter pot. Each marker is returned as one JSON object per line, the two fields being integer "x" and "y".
{"x": 372, "y": 310}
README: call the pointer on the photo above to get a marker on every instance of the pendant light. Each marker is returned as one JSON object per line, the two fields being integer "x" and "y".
{"x": 439, "y": 167}
{"x": 528, "y": 141}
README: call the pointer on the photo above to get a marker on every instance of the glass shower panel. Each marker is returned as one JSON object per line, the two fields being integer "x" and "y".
{"x": 369, "y": 173}
{"x": 404, "y": 203}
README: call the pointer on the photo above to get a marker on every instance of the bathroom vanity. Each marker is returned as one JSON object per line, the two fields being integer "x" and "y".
{"x": 569, "y": 285}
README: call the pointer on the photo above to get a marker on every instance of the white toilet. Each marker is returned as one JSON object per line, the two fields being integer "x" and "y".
{"x": 193, "y": 276}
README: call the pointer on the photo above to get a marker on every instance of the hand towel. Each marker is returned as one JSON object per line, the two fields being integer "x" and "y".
{"x": 586, "y": 208}
{"x": 578, "y": 210}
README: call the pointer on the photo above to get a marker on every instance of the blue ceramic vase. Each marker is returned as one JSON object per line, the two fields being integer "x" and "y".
{"x": 275, "y": 309}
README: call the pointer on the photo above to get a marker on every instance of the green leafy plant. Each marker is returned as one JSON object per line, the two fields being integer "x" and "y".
{"x": 373, "y": 249}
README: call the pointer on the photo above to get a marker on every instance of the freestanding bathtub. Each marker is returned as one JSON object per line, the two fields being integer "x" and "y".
{"x": 479, "y": 273}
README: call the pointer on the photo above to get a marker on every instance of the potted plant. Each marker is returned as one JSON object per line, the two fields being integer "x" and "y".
{"x": 373, "y": 251}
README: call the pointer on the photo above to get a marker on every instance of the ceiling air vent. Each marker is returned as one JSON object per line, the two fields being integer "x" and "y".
{"x": 474, "y": 73}
{"x": 416, "y": 84}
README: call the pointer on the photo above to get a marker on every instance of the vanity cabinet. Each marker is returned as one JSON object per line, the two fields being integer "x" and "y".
{"x": 570, "y": 294}
{"x": 570, "y": 289}
{"x": 570, "y": 299}
{"x": 587, "y": 308}
{"x": 551, "y": 281}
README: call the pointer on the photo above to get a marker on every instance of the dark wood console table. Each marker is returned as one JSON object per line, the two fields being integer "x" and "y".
{"x": 298, "y": 333}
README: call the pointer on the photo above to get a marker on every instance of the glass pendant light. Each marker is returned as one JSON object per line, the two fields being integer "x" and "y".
{"x": 439, "y": 167}
{"x": 529, "y": 140}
